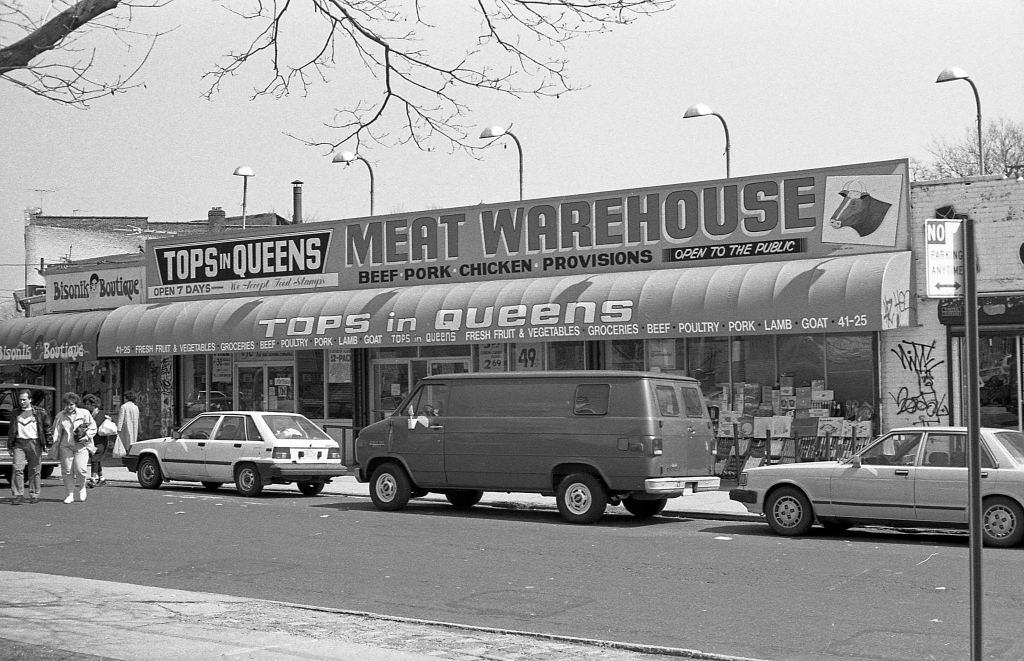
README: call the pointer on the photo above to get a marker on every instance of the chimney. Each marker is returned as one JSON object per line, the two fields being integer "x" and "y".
{"x": 296, "y": 202}
{"x": 217, "y": 220}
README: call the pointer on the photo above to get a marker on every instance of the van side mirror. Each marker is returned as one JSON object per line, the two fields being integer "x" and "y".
{"x": 409, "y": 411}
{"x": 713, "y": 413}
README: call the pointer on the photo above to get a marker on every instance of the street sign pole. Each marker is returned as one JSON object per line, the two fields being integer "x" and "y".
{"x": 973, "y": 433}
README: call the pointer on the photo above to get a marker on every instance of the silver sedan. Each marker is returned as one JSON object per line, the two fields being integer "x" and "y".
{"x": 912, "y": 477}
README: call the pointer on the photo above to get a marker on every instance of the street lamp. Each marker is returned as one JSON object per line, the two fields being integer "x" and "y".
{"x": 347, "y": 157}
{"x": 956, "y": 73}
{"x": 700, "y": 110}
{"x": 244, "y": 171}
{"x": 497, "y": 132}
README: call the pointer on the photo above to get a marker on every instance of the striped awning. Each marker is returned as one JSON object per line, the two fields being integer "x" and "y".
{"x": 853, "y": 293}
{"x": 51, "y": 338}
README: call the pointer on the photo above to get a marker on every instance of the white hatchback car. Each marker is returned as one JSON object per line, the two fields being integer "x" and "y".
{"x": 912, "y": 477}
{"x": 249, "y": 448}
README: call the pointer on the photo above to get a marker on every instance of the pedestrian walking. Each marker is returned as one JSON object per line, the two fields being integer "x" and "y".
{"x": 103, "y": 440}
{"x": 73, "y": 433}
{"x": 128, "y": 421}
{"x": 27, "y": 441}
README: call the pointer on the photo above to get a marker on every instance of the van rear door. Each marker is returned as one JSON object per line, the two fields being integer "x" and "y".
{"x": 685, "y": 429}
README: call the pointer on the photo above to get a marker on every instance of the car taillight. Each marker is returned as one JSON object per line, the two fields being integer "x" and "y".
{"x": 281, "y": 453}
{"x": 656, "y": 449}
{"x": 334, "y": 453}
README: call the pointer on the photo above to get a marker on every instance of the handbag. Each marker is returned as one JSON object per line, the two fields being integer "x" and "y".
{"x": 119, "y": 450}
{"x": 81, "y": 434}
{"x": 107, "y": 428}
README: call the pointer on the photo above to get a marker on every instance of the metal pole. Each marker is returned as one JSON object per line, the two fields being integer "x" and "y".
{"x": 519, "y": 148}
{"x": 245, "y": 194}
{"x": 973, "y": 434}
{"x": 370, "y": 170}
{"x": 981, "y": 149}
{"x": 727, "y": 145}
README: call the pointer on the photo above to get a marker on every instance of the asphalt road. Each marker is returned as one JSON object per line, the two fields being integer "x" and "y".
{"x": 721, "y": 587}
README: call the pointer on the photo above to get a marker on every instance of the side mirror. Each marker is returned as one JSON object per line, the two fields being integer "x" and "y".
{"x": 713, "y": 413}
{"x": 855, "y": 461}
{"x": 176, "y": 434}
{"x": 410, "y": 411}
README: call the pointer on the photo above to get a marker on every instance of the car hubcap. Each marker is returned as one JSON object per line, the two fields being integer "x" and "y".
{"x": 245, "y": 478}
{"x": 577, "y": 498}
{"x": 386, "y": 488}
{"x": 999, "y": 522}
{"x": 147, "y": 472}
{"x": 787, "y": 512}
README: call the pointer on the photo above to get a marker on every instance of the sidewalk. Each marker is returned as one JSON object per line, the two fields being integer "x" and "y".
{"x": 705, "y": 505}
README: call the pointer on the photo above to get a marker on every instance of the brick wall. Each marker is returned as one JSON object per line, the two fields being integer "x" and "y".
{"x": 917, "y": 371}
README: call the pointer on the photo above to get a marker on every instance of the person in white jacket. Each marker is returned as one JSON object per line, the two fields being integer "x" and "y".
{"x": 128, "y": 421}
{"x": 71, "y": 448}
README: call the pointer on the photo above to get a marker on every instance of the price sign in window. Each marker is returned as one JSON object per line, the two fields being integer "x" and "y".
{"x": 528, "y": 357}
{"x": 492, "y": 358}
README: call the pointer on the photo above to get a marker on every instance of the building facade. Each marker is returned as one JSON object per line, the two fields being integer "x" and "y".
{"x": 796, "y": 299}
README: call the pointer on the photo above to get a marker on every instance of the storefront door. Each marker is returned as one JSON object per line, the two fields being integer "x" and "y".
{"x": 265, "y": 387}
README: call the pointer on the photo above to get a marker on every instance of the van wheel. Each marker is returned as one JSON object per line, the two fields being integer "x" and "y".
{"x": 463, "y": 499}
{"x": 581, "y": 498}
{"x": 311, "y": 488}
{"x": 390, "y": 489}
{"x": 248, "y": 481}
{"x": 789, "y": 512}
{"x": 644, "y": 509}
{"x": 1002, "y": 522}
{"x": 148, "y": 473}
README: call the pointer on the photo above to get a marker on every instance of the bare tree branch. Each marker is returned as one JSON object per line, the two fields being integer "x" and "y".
{"x": 1002, "y": 140}
{"x": 45, "y": 58}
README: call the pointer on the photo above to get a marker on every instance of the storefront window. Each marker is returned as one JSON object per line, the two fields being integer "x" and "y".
{"x": 34, "y": 373}
{"x": 340, "y": 392}
{"x": 310, "y": 366}
{"x": 803, "y": 358}
{"x": 98, "y": 377}
{"x": 566, "y": 356}
{"x": 754, "y": 359}
{"x": 998, "y": 364}
{"x": 194, "y": 385}
{"x": 708, "y": 362}
{"x": 491, "y": 357}
{"x": 851, "y": 372}
{"x": 624, "y": 354}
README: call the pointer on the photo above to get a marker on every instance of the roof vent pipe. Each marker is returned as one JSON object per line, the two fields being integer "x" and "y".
{"x": 296, "y": 202}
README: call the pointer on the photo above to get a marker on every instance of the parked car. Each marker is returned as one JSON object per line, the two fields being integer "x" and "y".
{"x": 250, "y": 448}
{"x": 911, "y": 477}
{"x": 588, "y": 438}
{"x": 44, "y": 396}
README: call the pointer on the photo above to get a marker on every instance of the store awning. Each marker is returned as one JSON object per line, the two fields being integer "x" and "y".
{"x": 854, "y": 293}
{"x": 51, "y": 338}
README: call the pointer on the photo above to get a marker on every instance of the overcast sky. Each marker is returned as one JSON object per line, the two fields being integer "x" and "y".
{"x": 801, "y": 85}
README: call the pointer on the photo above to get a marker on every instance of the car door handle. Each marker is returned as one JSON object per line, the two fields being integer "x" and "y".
{"x": 437, "y": 426}
{"x": 902, "y": 471}
{"x": 202, "y": 445}
{"x": 238, "y": 445}
{"x": 984, "y": 473}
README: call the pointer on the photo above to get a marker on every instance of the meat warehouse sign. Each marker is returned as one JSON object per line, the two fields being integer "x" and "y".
{"x": 835, "y": 211}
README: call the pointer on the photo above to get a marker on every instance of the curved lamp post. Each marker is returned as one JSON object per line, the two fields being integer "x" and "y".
{"x": 701, "y": 110}
{"x": 956, "y": 73}
{"x": 244, "y": 171}
{"x": 497, "y": 132}
{"x": 347, "y": 157}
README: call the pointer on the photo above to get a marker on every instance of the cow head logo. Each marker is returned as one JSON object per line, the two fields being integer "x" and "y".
{"x": 859, "y": 210}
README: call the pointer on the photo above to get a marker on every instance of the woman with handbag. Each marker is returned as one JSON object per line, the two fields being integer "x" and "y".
{"x": 73, "y": 431}
{"x": 106, "y": 431}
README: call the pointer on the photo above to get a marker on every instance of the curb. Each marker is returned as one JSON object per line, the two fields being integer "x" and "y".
{"x": 708, "y": 515}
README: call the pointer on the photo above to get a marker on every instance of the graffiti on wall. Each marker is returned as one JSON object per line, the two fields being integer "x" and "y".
{"x": 896, "y": 308}
{"x": 922, "y": 401}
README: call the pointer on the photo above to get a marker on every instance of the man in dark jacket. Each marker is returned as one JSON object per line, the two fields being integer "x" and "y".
{"x": 27, "y": 440}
